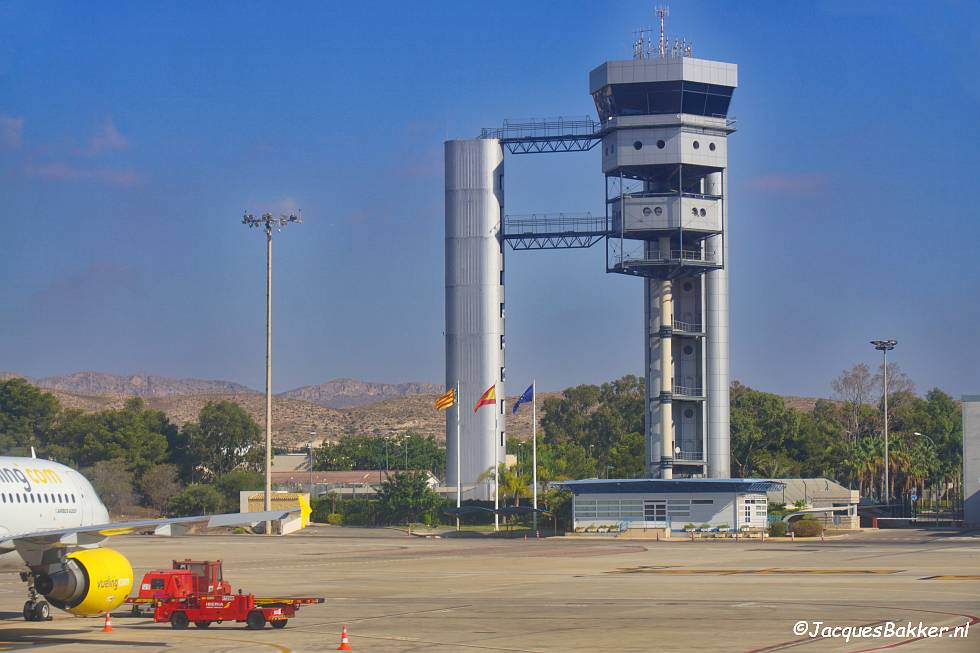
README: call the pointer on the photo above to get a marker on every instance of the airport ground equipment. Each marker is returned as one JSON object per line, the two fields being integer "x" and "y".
{"x": 195, "y": 591}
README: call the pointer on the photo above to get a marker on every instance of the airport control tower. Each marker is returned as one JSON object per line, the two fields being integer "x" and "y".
{"x": 663, "y": 126}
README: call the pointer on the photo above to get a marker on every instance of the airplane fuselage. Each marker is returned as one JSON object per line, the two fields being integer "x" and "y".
{"x": 39, "y": 495}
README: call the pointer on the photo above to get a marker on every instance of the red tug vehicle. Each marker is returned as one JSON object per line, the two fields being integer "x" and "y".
{"x": 195, "y": 591}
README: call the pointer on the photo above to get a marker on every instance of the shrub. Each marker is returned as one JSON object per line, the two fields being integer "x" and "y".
{"x": 335, "y": 519}
{"x": 159, "y": 484}
{"x": 196, "y": 499}
{"x": 235, "y": 481}
{"x": 322, "y": 508}
{"x": 359, "y": 512}
{"x": 778, "y": 528}
{"x": 808, "y": 528}
{"x": 689, "y": 527}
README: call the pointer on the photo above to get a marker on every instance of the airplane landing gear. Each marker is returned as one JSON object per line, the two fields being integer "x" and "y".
{"x": 35, "y": 608}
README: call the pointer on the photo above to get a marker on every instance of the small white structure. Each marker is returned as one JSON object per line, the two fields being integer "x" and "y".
{"x": 671, "y": 504}
{"x": 829, "y": 501}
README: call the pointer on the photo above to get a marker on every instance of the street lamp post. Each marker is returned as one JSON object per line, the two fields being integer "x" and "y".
{"x": 267, "y": 222}
{"x": 885, "y": 346}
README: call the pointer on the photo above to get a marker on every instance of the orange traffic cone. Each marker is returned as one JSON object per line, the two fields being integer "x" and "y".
{"x": 344, "y": 642}
{"x": 107, "y": 626}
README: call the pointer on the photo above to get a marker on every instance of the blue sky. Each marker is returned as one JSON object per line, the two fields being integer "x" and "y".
{"x": 134, "y": 135}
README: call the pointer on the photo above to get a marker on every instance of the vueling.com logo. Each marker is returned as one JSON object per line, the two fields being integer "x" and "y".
{"x": 108, "y": 584}
{"x": 28, "y": 476}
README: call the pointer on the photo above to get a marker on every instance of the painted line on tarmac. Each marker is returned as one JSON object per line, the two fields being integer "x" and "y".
{"x": 760, "y": 571}
{"x": 951, "y": 577}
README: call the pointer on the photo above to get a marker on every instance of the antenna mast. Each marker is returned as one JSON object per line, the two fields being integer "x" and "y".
{"x": 662, "y": 12}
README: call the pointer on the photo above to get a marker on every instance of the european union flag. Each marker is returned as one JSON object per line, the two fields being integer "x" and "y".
{"x": 526, "y": 397}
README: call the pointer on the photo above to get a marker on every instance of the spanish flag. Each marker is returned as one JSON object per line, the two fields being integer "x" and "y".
{"x": 447, "y": 400}
{"x": 489, "y": 398}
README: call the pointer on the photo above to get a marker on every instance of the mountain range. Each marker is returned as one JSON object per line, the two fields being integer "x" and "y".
{"x": 338, "y": 393}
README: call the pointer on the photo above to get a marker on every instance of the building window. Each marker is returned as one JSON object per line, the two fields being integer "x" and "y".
{"x": 711, "y": 146}
{"x": 637, "y": 145}
{"x": 501, "y": 341}
{"x": 661, "y": 144}
{"x": 687, "y": 286}
{"x": 501, "y": 310}
{"x": 503, "y": 373}
{"x": 688, "y": 413}
{"x": 703, "y": 502}
{"x": 696, "y": 145}
{"x": 688, "y": 350}
{"x": 501, "y": 277}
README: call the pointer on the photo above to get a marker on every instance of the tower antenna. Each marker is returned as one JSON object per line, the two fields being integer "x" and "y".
{"x": 662, "y": 12}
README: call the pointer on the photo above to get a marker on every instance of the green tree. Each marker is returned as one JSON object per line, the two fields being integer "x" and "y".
{"x": 136, "y": 434}
{"x": 26, "y": 416}
{"x": 405, "y": 497}
{"x": 626, "y": 455}
{"x": 224, "y": 438}
{"x": 113, "y": 482}
{"x": 236, "y": 481}
{"x": 196, "y": 499}
{"x": 564, "y": 461}
{"x": 159, "y": 484}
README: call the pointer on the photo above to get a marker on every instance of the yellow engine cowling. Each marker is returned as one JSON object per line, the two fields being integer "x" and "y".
{"x": 90, "y": 582}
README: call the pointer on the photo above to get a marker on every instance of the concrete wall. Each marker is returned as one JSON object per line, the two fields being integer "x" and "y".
{"x": 971, "y": 460}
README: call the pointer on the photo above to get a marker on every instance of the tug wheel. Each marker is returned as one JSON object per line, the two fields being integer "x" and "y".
{"x": 179, "y": 620}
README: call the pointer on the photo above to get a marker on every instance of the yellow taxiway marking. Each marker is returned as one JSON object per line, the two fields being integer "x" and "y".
{"x": 765, "y": 570}
{"x": 951, "y": 577}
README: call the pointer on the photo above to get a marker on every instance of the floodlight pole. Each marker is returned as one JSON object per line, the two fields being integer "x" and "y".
{"x": 268, "y": 221}
{"x": 884, "y": 346}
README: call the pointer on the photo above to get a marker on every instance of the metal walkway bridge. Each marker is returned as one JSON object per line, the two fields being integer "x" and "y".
{"x": 547, "y": 135}
{"x": 554, "y": 230}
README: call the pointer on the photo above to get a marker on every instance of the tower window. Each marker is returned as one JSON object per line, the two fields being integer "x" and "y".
{"x": 661, "y": 144}
{"x": 711, "y": 146}
{"x": 687, "y": 286}
{"x": 637, "y": 145}
{"x": 688, "y": 350}
{"x": 501, "y": 341}
{"x": 503, "y": 373}
{"x": 688, "y": 413}
{"x": 501, "y": 310}
{"x": 696, "y": 145}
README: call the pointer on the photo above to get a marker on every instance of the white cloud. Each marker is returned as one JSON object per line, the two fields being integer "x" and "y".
{"x": 11, "y": 129}
{"x": 108, "y": 138}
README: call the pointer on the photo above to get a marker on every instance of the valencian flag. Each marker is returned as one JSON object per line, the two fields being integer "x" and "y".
{"x": 447, "y": 400}
{"x": 489, "y": 398}
{"x": 526, "y": 397}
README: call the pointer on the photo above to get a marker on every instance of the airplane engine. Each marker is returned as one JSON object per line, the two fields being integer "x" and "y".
{"x": 88, "y": 582}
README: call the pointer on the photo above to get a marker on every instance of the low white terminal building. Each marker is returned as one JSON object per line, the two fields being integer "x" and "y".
{"x": 671, "y": 504}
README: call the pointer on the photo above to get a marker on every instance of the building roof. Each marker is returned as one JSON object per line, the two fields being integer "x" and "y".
{"x": 660, "y": 485}
{"x": 354, "y": 477}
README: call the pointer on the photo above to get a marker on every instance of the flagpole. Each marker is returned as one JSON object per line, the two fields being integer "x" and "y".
{"x": 534, "y": 450}
{"x": 496, "y": 463}
{"x": 459, "y": 482}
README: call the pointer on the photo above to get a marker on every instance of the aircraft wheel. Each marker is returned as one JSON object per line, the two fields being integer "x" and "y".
{"x": 29, "y": 611}
{"x": 179, "y": 620}
{"x": 42, "y": 611}
{"x": 279, "y": 623}
{"x": 255, "y": 620}
{"x": 202, "y": 624}
{"x": 136, "y": 611}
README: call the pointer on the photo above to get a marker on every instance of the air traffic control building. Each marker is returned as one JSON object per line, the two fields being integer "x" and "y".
{"x": 662, "y": 125}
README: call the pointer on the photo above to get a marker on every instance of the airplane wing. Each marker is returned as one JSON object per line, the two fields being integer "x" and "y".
{"x": 96, "y": 533}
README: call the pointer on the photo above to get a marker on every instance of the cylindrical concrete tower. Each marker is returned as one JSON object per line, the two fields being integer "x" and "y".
{"x": 716, "y": 330}
{"x": 474, "y": 305}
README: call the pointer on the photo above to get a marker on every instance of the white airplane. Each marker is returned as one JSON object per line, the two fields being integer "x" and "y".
{"x": 52, "y": 521}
